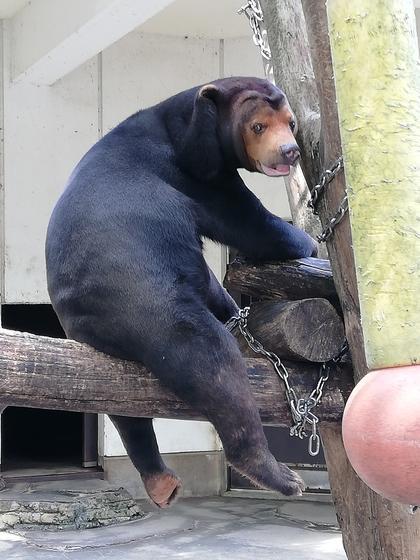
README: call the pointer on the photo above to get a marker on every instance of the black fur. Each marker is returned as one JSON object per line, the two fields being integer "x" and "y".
{"x": 126, "y": 272}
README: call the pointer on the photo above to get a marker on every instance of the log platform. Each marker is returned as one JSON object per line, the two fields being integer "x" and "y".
{"x": 51, "y": 373}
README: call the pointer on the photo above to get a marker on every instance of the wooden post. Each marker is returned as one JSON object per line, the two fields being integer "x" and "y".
{"x": 373, "y": 528}
{"x": 379, "y": 113}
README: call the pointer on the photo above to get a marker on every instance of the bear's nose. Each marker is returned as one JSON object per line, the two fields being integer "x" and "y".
{"x": 291, "y": 153}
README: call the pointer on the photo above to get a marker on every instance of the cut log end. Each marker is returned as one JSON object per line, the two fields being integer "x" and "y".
{"x": 305, "y": 330}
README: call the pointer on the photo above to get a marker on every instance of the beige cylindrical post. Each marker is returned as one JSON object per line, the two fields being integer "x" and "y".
{"x": 377, "y": 74}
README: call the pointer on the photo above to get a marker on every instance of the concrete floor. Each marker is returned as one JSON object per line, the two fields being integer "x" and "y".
{"x": 199, "y": 529}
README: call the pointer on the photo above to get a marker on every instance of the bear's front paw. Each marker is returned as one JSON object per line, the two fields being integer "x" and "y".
{"x": 315, "y": 248}
{"x": 308, "y": 247}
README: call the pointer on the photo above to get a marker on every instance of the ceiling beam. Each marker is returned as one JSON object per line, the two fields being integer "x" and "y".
{"x": 50, "y": 38}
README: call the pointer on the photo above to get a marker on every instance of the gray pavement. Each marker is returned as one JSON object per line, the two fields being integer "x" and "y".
{"x": 201, "y": 529}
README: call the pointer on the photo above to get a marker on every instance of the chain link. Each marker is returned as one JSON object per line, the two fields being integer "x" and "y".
{"x": 326, "y": 178}
{"x": 301, "y": 409}
{"x": 254, "y": 13}
{"x": 334, "y": 221}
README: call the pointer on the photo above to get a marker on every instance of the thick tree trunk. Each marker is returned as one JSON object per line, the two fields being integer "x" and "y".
{"x": 373, "y": 528}
{"x": 293, "y": 73}
{"x": 305, "y": 330}
{"x": 59, "y": 374}
{"x": 292, "y": 66}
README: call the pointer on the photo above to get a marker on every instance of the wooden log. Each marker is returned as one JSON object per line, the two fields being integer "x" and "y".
{"x": 291, "y": 280}
{"x": 304, "y": 330}
{"x": 386, "y": 531}
{"x": 57, "y": 374}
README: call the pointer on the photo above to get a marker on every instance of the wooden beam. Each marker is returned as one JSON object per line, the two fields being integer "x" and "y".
{"x": 375, "y": 124}
{"x": 51, "y": 38}
{"x": 58, "y": 374}
{"x": 291, "y": 280}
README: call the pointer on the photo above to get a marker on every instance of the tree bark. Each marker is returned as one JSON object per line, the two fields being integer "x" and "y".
{"x": 291, "y": 280}
{"x": 340, "y": 244}
{"x": 59, "y": 374}
{"x": 287, "y": 36}
{"x": 307, "y": 330}
{"x": 373, "y": 528}
{"x": 294, "y": 75}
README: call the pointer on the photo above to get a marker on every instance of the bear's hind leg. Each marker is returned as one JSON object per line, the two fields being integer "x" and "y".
{"x": 201, "y": 363}
{"x": 161, "y": 484}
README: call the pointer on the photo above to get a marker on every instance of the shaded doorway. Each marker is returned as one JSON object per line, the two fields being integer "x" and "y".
{"x": 44, "y": 441}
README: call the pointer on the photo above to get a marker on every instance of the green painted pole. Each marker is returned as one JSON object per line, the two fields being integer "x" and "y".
{"x": 377, "y": 74}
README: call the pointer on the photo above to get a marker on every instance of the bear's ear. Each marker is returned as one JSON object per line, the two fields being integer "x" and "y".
{"x": 209, "y": 91}
{"x": 201, "y": 153}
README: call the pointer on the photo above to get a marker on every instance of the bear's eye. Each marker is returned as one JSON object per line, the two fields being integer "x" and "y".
{"x": 292, "y": 125}
{"x": 258, "y": 128}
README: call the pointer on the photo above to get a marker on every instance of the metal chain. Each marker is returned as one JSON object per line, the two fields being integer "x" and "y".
{"x": 326, "y": 178}
{"x": 254, "y": 13}
{"x": 301, "y": 409}
{"x": 334, "y": 221}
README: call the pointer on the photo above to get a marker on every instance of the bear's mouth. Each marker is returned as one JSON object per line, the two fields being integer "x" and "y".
{"x": 280, "y": 170}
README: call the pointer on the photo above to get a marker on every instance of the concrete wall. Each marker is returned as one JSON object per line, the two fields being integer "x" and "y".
{"x": 417, "y": 12}
{"x": 48, "y": 129}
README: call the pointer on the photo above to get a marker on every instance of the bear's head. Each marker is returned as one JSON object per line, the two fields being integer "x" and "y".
{"x": 251, "y": 123}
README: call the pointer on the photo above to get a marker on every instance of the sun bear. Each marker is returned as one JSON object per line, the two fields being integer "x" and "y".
{"x": 125, "y": 267}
